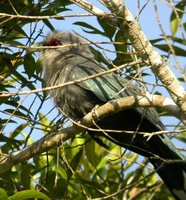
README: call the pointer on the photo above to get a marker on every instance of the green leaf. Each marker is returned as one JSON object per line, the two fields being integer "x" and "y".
{"x": 121, "y": 50}
{"x": 154, "y": 41}
{"x": 119, "y": 38}
{"x": 91, "y": 153}
{"x": 26, "y": 175}
{"x": 184, "y": 25}
{"x": 60, "y": 189}
{"x": 89, "y": 184}
{"x": 63, "y": 173}
{"x": 177, "y": 39}
{"x": 24, "y": 81}
{"x": 58, "y": 3}
{"x": 178, "y": 50}
{"x": 38, "y": 68}
{"x": 18, "y": 130}
{"x": 20, "y": 32}
{"x": 9, "y": 63}
{"x": 44, "y": 123}
{"x": 16, "y": 113}
{"x": 102, "y": 164}
{"x": 13, "y": 102}
{"x": 47, "y": 23}
{"x": 29, "y": 64}
{"x": 107, "y": 26}
{"x": 181, "y": 137}
{"x": 3, "y": 195}
{"x": 91, "y": 28}
{"x": 176, "y": 18}
{"x": 76, "y": 159}
{"x": 99, "y": 57}
{"x": 28, "y": 194}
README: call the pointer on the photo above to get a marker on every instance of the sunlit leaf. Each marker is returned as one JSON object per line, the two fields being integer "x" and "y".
{"x": 45, "y": 124}
{"x": 3, "y": 195}
{"x": 91, "y": 152}
{"x": 176, "y": 17}
{"x": 26, "y": 194}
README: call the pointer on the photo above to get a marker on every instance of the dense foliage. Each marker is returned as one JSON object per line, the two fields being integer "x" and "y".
{"x": 80, "y": 168}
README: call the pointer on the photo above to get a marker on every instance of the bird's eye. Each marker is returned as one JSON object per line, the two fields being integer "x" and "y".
{"x": 53, "y": 42}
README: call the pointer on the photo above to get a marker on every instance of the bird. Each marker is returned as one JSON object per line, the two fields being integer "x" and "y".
{"x": 67, "y": 59}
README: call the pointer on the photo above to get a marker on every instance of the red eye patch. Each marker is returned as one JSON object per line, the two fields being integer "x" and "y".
{"x": 53, "y": 42}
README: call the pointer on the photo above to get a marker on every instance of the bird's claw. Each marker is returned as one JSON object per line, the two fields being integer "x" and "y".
{"x": 95, "y": 116}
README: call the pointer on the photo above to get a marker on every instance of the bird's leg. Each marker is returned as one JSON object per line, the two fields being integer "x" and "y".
{"x": 95, "y": 116}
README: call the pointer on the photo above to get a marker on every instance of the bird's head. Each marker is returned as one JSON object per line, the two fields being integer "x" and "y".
{"x": 60, "y": 45}
{"x": 61, "y": 38}
{"x": 60, "y": 50}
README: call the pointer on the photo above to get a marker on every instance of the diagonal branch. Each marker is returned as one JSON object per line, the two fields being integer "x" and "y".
{"x": 58, "y": 137}
{"x": 132, "y": 30}
{"x": 8, "y": 94}
{"x": 88, "y": 6}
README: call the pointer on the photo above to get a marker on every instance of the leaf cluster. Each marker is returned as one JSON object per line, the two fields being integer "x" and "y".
{"x": 80, "y": 168}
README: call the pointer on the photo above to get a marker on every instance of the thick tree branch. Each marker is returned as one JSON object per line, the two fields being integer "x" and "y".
{"x": 132, "y": 30}
{"x": 88, "y": 6}
{"x": 56, "y": 138}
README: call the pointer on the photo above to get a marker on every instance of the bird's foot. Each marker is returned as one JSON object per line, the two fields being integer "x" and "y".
{"x": 95, "y": 115}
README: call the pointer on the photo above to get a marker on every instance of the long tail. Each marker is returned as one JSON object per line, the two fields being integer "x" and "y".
{"x": 173, "y": 172}
{"x": 171, "y": 165}
{"x": 167, "y": 161}
{"x": 174, "y": 177}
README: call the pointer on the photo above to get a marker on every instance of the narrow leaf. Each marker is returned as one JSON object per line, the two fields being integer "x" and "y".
{"x": 28, "y": 194}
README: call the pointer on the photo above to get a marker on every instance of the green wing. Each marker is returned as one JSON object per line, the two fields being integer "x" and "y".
{"x": 105, "y": 87}
{"x": 111, "y": 86}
